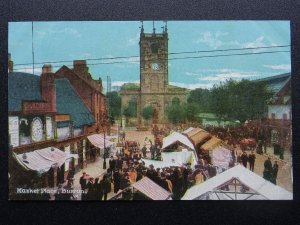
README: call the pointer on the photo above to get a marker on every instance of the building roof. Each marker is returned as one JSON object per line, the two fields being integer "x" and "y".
{"x": 22, "y": 86}
{"x": 258, "y": 187}
{"x": 130, "y": 86}
{"x": 211, "y": 143}
{"x": 276, "y": 82}
{"x": 151, "y": 189}
{"x": 68, "y": 102}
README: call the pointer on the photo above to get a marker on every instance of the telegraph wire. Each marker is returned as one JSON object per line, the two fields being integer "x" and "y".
{"x": 174, "y": 53}
{"x": 180, "y": 58}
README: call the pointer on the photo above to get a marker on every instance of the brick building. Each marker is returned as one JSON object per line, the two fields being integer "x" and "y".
{"x": 48, "y": 111}
{"x": 88, "y": 89}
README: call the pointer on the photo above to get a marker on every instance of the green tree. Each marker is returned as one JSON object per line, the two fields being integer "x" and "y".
{"x": 131, "y": 109}
{"x": 176, "y": 112}
{"x": 115, "y": 104}
{"x": 147, "y": 112}
{"x": 240, "y": 100}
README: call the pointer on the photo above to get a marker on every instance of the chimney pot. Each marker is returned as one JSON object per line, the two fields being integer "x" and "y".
{"x": 47, "y": 68}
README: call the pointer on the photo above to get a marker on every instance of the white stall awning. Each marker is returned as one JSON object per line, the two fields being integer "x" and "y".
{"x": 98, "y": 141}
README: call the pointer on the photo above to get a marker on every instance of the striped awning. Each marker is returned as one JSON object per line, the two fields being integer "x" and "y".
{"x": 43, "y": 159}
{"x": 151, "y": 189}
{"x": 211, "y": 144}
{"x": 98, "y": 141}
{"x": 199, "y": 137}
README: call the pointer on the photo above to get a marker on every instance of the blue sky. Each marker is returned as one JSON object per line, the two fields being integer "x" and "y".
{"x": 68, "y": 41}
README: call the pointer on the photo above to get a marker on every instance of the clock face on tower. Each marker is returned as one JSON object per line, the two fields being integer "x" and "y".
{"x": 155, "y": 66}
{"x": 37, "y": 129}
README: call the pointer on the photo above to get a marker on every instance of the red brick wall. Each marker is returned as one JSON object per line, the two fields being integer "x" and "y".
{"x": 87, "y": 93}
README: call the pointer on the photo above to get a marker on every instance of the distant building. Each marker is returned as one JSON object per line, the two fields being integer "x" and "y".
{"x": 280, "y": 116}
{"x": 154, "y": 89}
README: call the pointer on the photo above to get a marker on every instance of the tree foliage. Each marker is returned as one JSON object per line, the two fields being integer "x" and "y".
{"x": 176, "y": 112}
{"x": 231, "y": 100}
{"x": 115, "y": 104}
{"x": 148, "y": 112}
{"x": 240, "y": 100}
{"x": 131, "y": 109}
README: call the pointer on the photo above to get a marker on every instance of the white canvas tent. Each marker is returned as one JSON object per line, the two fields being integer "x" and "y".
{"x": 237, "y": 183}
{"x": 170, "y": 159}
{"x": 177, "y": 137}
{"x": 151, "y": 189}
{"x": 42, "y": 160}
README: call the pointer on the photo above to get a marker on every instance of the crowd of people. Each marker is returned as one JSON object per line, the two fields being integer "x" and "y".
{"x": 125, "y": 170}
{"x": 126, "y": 167}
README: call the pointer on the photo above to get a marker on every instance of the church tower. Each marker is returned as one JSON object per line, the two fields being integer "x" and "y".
{"x": 153, "y": 71}
{"x": 154, "y": 61}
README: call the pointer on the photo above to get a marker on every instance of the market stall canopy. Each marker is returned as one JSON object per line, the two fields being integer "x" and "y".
{"x": 211, "y": 144}
{"x": 188, "y": 130}
{"x": 42, "y": 160}
{"x": 98, "y": 141}
{"x": 177, "y": 137}
{"x": 241, "y": 184}
{"x": 221, "y": 157}
{"x": 151, "y": 189}
{"x": 170, "y": 159}
{"x": 199, "y": 137}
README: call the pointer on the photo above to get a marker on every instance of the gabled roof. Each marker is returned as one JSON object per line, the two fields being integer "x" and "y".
{"x": 68, "y": 102}
{"x": 211, "y": 143}
{"x": 177, "y": 137}
{"x": 77, "y": 75}
{"x": 151, "y": 189}
{"x": 22, "y": 86}
{"x": 259, "y": 188}
{"x": 276, "y": 82}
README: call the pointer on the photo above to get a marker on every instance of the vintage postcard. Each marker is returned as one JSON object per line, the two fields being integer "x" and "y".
{"x": 150, "y": 110}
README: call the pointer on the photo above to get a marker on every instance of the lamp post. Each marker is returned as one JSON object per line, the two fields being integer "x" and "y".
{"x": 104, "y": 122}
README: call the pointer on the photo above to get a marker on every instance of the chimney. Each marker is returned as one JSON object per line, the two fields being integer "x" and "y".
{"x": 79, "y": 67}
{"x": 47, "y": 68}
{"x": 10, "y": 64}
{"x": 48, "y": 88}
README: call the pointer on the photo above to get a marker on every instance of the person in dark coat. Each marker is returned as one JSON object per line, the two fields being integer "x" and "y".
{"x": 106, "y": 186}
{"x": 151, "y": 173}
{"x": 268, "y": 169}
{"x": 275, "y": 172}
{"x": 144, "y": 151}
{"x": 112, "y": 163}
{"x": 152, "y": 151}
{"x": 244, "y": 158}
{"x": 116, "y": 180}
{"x": 82, "y": 181}
{"x": 98, "y": 190}
{"x": 252, "y": 158}
{"x": 91, "y": 193}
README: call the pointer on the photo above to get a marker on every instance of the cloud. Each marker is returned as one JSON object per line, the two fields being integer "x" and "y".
{"x": 279, "y": 67}
{"x": 225, "y": 74}
{"x": 193, "y": 86}
{"x": 192, "y": 74}
{"x": 134, "y": 41}
{"x": 66, "y": 31}
{"x": 214, "y": 40}
{"x": 211, "y": 39}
